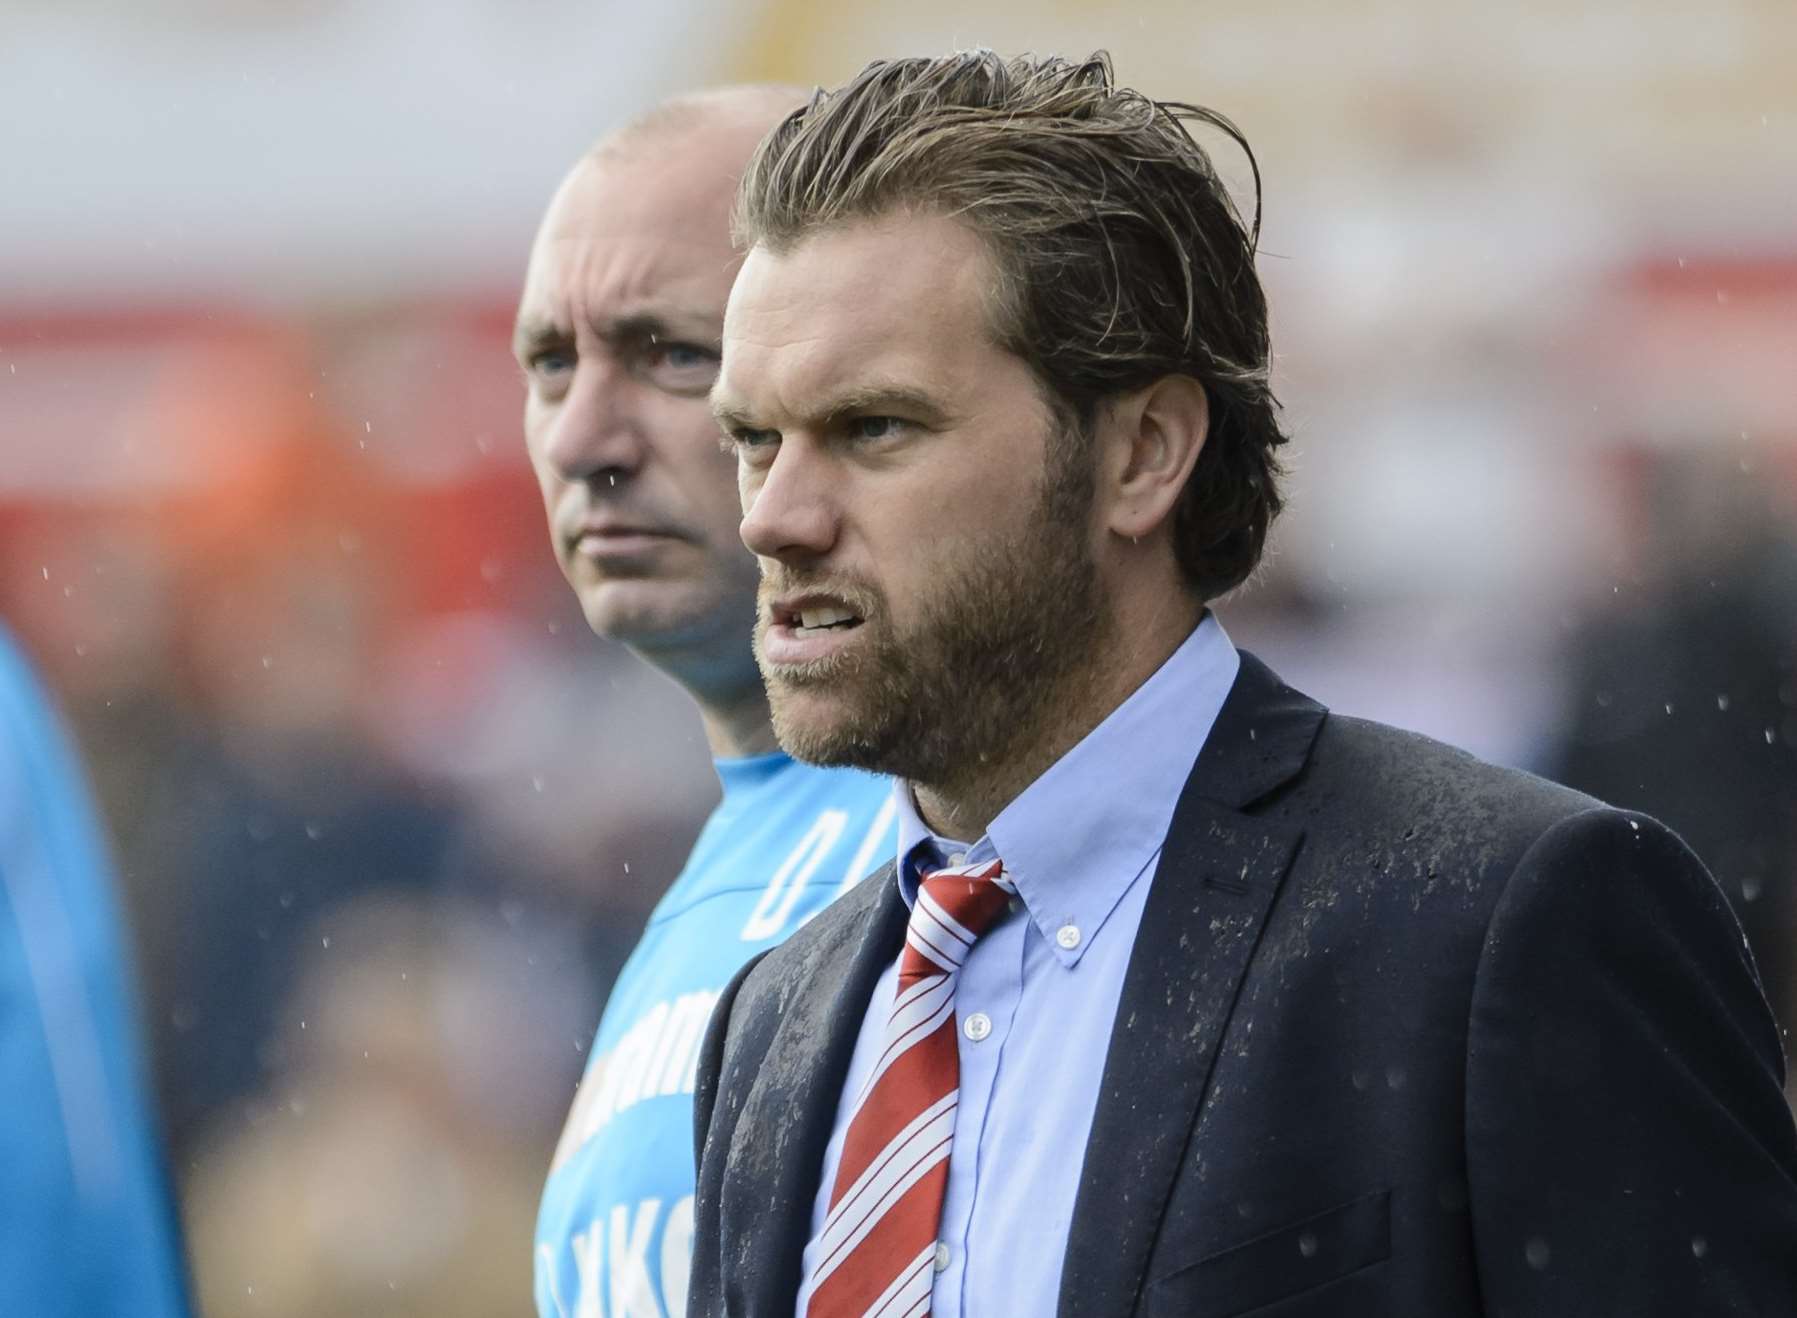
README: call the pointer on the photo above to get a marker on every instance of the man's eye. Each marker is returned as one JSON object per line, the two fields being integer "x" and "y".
{"x": 684, "y": 356}
{"x": 550, "y": 361}
{"x": 744, "y": 437}
{"x": 875, "y": 427}
{"x": 681, "y": 368}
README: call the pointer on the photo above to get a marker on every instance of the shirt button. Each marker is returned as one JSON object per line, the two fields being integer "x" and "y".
{"x": 956, "y": 859}
{"x": 1068, "y": 936}
{"x": 942, "y": 1257}
{"x": 977, "y": 1027}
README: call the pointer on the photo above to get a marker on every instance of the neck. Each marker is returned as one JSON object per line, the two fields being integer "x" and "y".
{"x": 725, "y": 684}
{"x": 736, "y": 726}
{"x": 1131, "y": 650}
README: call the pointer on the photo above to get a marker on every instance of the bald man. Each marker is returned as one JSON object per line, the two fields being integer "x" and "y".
{"x": 618, "y": 334}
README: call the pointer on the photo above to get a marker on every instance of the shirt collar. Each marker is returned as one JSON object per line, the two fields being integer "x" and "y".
{"x": 1078, "y": 837}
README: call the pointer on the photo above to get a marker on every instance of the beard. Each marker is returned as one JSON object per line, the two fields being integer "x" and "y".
{"x": 1004, "y": 631}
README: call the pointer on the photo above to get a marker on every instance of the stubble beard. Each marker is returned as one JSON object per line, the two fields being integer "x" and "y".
{"x": 1004, "y": 638}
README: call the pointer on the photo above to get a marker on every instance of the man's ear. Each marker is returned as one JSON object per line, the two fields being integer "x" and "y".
{"x": 1152, "y": 439}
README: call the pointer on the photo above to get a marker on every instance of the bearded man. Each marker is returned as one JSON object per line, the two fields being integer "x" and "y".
{"x": 1183, "y": 996}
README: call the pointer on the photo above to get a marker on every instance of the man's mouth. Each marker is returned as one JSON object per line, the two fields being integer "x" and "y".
{"x": 612, "y": 540}
{"x": 804, "y": 629}
{"x": 821, "y": 619}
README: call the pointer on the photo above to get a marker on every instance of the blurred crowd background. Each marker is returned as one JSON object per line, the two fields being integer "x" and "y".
{"x": 387, "y": 816}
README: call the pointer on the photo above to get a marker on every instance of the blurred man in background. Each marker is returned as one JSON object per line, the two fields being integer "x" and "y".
{"x": 85, "y": 1220}
{"x": 618, "y": 335}
{"x": 1684, "y": 699}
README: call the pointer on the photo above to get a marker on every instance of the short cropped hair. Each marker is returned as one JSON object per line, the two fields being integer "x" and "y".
{"x": 1120, "y": 257}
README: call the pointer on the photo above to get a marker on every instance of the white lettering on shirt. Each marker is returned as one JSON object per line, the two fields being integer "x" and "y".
{"x": 657, "y": 1057}
{"x": 611, "y": 1264}
{"x": 775, "y": 907}
{"x": 632, "y": 1293}
{"x": 862, "y": 863}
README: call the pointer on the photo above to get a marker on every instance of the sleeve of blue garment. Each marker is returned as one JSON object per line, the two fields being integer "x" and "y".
{"x": 86, "y": 1225}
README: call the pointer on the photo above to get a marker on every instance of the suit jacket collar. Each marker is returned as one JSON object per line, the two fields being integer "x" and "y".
{"x": 1218, "y": 873}
{"x": 1261, "y": 739}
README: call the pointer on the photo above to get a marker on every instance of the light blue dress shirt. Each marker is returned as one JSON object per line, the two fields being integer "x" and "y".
{"x": 1038, "y": 993}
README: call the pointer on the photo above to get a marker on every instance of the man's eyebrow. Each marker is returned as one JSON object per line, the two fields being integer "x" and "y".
{"x": 877, "y": 399}
{"x": 695, "y": 327}
{"x": 685, "y": 326}
{"x": 862, "y": 400}
{"x": 534, "y": 332}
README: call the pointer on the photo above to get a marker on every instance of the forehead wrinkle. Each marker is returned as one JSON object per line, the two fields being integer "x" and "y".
{"x": 811, "y": 337}
{"x": 816, "y": 379}
{"x": 612, "y": 291}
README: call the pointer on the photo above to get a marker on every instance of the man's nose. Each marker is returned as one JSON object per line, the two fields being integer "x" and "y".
{"x": 790, "y": 509}
{"x": 598, "y": 428}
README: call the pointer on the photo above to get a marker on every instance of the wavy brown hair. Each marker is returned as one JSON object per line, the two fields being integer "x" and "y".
{"x": 1121, "y": 258}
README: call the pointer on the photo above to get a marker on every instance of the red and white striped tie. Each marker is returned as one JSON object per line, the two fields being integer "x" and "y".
{"x": 879, "y": 1240}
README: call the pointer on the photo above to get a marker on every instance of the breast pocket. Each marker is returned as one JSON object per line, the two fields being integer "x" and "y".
{"x": 1283, "y": 1265}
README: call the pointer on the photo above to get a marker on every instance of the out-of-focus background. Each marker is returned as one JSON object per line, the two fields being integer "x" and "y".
{"x": 388, "y": 816}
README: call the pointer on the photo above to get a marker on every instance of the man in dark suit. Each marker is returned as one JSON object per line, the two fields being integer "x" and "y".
{"x": 1184, "y": 996}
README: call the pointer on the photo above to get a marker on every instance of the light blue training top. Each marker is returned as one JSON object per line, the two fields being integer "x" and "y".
{"x": 614, "y": 1233}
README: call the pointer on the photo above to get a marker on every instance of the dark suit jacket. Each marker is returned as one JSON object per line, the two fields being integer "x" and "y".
{"x": 1402, "y": 1034}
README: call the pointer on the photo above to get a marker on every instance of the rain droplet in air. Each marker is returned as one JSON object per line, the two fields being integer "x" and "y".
{"x": 1307, "y": 1244}
{"x": 1537, "y": 1253}
{"x": 1699, "y": 1246}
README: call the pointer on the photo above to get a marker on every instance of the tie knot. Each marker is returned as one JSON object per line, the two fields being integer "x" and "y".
{"x": 954, "y": 907}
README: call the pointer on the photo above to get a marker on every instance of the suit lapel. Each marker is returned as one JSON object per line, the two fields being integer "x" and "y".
{"x": 778, "y": 1152}
{"x": 1212, "y": 890}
